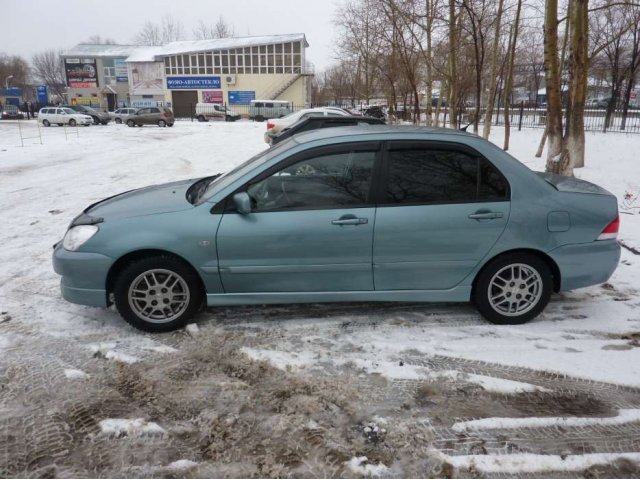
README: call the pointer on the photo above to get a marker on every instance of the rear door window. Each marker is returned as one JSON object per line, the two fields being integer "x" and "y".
{"x": 435, "y": 175}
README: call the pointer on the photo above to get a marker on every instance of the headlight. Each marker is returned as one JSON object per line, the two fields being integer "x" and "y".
{"x": 77, "y": 236}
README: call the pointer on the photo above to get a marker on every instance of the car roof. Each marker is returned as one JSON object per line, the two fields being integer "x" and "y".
{"x": 368, "y": 130}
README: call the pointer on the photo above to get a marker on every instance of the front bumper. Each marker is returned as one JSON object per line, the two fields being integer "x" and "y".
{"x": 585, "y": 264}
{"x": 84, "y": 276}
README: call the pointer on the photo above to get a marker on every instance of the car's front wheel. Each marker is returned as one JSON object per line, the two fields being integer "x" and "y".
{"x": 158, "y": 294}
{"x": 72, "y": 123}
{"x": 162, "y": 123}
{"x": 46, "y": 123}
{"x": 131, "y": 123}
{"x": 513, "y": 288}
{"x": 118, "y": 121}
{"x": 96, "y": 120}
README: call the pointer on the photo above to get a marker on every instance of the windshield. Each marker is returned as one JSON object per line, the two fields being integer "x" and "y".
{"x": 89, "y": 110}
{"x": 69, "y": 111}
{"x": 231, "y": 176}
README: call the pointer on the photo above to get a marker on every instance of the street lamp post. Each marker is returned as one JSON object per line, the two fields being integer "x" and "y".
{"x": 6, "y": 82}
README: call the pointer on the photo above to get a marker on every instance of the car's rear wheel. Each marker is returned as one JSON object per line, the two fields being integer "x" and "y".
{"x": 118, "y": 121}
{"x": 46, "y": 123}
{"x": 162, "y": 123}
{"x": 201, "y": 118}
{"x": 158, "y": 294}
{"x": 131, "y": 123}
{"x": 72, "y": 123}
{"x": 259, "y": 118}
{"x": 513, "y": 288}
{"x": 96, "y": 120}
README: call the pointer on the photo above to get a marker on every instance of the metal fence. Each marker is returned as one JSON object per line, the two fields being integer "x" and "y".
{"x": 595, "y": 120}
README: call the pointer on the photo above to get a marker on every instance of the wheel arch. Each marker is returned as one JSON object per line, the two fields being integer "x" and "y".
{"x": 124, "y": 260}
{"x": 553, "y": 266}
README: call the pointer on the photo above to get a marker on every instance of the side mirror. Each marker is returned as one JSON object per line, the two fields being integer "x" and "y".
{"x": 242, "y": 201}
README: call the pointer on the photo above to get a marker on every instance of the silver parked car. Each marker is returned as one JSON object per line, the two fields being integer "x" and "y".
{"x": 122, "y": 114}
{"x": 345, "y": 214}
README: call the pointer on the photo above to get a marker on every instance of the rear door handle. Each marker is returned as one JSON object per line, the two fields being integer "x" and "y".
{"x": 486, "y": 215}
{"x": 350, "y": 221}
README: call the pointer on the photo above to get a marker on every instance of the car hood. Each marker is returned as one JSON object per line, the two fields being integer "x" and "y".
{"x": 572, "y": 185}
{"x": 165, "y": 198}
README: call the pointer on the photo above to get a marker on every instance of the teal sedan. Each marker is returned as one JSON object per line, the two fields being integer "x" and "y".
{"x": 363, "y": 214}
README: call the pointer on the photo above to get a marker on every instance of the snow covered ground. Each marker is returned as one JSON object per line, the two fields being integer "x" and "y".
{"x": 292, "y": 390}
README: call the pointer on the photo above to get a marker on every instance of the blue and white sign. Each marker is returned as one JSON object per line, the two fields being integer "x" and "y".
{"x": 241, "y": 97}
{"x": 42, "y": 94}
{"x": 192, "y": 83}
{"x": 120, "y": 66}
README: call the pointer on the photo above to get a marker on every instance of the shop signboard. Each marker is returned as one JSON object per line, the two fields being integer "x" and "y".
{"x": 212, "y": 96}
{"x": 81, "y": 72}
{"x": 192, "y": 83}
{"x": 87, "y": 101}
{"x": 241, "y": 97}
{"x": 120, "y": 66}
{"x": 147, "y": 78}
{"x": 42, "y": 94}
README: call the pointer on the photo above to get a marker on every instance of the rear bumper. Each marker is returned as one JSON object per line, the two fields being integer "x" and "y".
{"x": 585, "y": 264}
{"x": 84, "y": 276}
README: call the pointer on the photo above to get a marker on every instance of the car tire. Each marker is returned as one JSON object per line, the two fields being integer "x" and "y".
{"x": 118, "y": 121}
{"x": 104, "y": 123}
{"x": 259, "y": 118}
{"x": 131, "y": 123}
{"x": 201, "y": 118}
{"x": 96, "y": 120}
{"x": 162, "y": 123}
{"x": 169, "y": 124}
{"x": 513, "y": 288}
{"x": 72, "y": 123}
{"x": 134, "y": 294}
{"x": 46, "y": 123}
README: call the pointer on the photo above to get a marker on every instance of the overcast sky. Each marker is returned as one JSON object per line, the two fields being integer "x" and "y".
{"x": 29, "y": 26}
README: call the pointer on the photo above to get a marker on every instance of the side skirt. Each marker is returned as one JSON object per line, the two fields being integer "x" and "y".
{"x": 456, "y": 294}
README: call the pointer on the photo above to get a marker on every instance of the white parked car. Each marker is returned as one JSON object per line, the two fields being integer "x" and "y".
{"x": 206, "y": 111}
{"x": 62, "y": 116}
{"x": 122, "y": 114}
{"x": 276, "y": 125}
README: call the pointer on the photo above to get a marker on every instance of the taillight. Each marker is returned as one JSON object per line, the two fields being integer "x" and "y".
{"x": 611, "y": 230}
{"x": 270, "y": 125}
{"x": 164, "y": 114}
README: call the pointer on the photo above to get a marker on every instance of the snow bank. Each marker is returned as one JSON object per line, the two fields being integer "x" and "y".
{"x": 121, "y": 427}
{"x": 624, "y": 416}
{"x": 360, "y": 466}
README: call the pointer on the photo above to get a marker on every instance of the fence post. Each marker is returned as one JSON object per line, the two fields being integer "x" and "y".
{"x": 521, "y": 112}
{"x": 20, "y": 132}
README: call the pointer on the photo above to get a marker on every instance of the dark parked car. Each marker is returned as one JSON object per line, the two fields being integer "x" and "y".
{"x": 376, "y": 111}
{"x": 11, "y": 112}
{"x": 314, "y": 122}
{"x": 161, "y": 116}
{"x": 98, "y": 117}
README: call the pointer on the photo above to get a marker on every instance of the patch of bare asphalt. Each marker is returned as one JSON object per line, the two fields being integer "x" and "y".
{"x": 236, "y": 417}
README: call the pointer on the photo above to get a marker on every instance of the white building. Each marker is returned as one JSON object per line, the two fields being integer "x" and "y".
{"x": 181, "y": 74}
{"x": 226, "y": 70}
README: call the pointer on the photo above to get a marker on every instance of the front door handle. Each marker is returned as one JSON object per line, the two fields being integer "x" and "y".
{"x": 350, "y": 220}
{"x": 486, "y": 215}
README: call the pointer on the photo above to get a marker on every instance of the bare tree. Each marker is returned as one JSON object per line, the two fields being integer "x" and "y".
{"x": 169, "y": 29}
{"x": 98, "y": 40}
{"x": 48, "y": 68}
{"x": 493, "y": 79}
{"x": 221, "y": 29}
{"x": 511, "y": 52}
{"x": 16, "y": 67}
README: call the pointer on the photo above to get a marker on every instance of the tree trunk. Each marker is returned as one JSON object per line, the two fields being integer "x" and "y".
{"x": 578, "y": 71}
{"x": 453, "y": 71}
{"x": 513, "y": 40}
{"x": 556, "y": 154}
{"x": 627, "y": 98}
{"x": 493, "y": 87}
